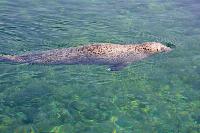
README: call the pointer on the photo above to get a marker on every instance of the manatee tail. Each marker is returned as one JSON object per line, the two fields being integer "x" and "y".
{"x": 8, "y": 58}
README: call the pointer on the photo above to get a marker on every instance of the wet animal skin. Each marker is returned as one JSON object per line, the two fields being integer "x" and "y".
{"x": 116, "y": 56}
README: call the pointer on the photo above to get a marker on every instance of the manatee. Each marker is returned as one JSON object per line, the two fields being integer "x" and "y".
{"x": 116, "y": 56}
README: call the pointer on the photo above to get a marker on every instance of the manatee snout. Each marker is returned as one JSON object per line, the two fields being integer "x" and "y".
{"x": 168, "y": 46}
{"x": 166, "y": 49}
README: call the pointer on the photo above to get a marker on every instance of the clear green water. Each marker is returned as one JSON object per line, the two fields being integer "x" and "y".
{"x": 157, "y": 95}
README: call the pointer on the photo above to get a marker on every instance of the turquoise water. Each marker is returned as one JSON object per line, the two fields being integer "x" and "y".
{"x": 156, "y": 95}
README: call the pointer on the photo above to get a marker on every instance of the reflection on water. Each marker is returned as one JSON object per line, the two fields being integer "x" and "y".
{"x": 155, "y": 95}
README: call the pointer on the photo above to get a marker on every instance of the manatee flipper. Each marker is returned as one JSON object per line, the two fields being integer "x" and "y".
{"x": 117, "y": 67}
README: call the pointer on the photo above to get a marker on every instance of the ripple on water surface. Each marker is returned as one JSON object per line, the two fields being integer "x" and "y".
{"x": 155, "y": 95}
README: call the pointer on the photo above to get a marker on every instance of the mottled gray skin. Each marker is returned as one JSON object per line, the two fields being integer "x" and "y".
{"x": 116, "y": 56}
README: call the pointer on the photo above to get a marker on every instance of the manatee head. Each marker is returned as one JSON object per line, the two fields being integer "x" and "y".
{"x": 155, "y": 47}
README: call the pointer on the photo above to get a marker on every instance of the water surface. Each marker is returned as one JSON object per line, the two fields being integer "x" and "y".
{"x": 156, "y": 95}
